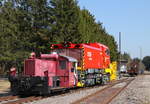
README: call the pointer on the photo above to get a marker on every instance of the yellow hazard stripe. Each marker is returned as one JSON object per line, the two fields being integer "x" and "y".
{"x": 83, "y": 59}
{"x": 79, "y": 68}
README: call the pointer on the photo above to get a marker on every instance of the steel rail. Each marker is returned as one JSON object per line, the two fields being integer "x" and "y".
{"x": 103, "y": 96}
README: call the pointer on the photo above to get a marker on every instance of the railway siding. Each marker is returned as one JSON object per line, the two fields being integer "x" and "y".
{"x": 106, "y": 95}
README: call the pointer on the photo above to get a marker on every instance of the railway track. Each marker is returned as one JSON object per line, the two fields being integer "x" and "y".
{"x": 18, "y": 100}
{"x": 146, "y": 74}
{"x": 105, "y": 95}
{"x": 6, "y": 98}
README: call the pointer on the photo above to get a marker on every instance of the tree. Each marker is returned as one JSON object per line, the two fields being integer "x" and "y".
{"x": 24, "y": 27}
{"x": 146, "y": 62}
{"x": 86, "y": 26}
{"x": 32, "y": 25}
{"x": 65, "y": 21}
{"x": 37, "y": 21}
{"x": 136, "y": 60}
{"x": 125, "y": 56}
{"x": 8, "y": 33}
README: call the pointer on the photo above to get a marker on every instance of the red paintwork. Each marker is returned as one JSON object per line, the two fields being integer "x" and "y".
{"x": 93, "y": 55}
{"x": 48, "y": 65}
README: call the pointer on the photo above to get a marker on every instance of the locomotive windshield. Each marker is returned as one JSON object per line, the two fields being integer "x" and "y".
{"x": 107, "y": 52}
{"x": 62, "y": 64}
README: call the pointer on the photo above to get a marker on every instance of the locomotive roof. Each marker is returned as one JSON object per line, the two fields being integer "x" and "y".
{"x": 70, "y": 58}
{"x": 72, "y": 45}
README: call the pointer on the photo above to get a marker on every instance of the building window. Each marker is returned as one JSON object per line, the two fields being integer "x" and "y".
{"x": 62, "y": 64}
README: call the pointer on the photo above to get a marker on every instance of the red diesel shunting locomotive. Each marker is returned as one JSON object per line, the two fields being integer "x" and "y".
{"x": 69, "y": 65}
{"x": 95, "y": 53}
{"x": 92, "y": 58}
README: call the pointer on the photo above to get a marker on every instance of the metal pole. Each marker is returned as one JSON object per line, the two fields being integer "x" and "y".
{"x": 119, "y": 53}
{"x": 120, "y": 44}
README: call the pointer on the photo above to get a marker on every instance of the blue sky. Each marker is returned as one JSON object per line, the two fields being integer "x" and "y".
{"x": 130, "y": 17}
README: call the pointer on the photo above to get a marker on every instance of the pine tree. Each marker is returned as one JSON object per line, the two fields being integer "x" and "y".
{"x": 65, "y": 21}
{"x": 37, "y": 22}
{"x": 86, "y": 26}
{"x": 8, "y": 34}
{"x": 23, "y": 29}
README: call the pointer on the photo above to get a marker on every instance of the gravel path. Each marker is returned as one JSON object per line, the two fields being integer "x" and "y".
{"x": 4, "y": 87}
{"x": 138, "y": 92}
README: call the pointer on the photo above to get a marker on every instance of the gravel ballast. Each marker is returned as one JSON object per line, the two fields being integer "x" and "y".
{"x": 138, "y": 92}
{"x": 68, "y": 98}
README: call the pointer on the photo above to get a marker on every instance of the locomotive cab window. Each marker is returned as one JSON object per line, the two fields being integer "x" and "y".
{"x": 62, "y": 64}
{"x": 107, "y": 52}
{"x": 73, "y": 67}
